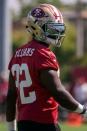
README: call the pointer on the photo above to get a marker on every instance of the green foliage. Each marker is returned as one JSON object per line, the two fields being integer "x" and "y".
{"x": 66, "y": 52}
{"x": 65, "y": 74}
{"x": 25, "y": 10}
{"x": 67, "y": 49}
{"x": 82, "y": 62}
{"x": 20, "y": 37}
{"x": 57, "y": 3}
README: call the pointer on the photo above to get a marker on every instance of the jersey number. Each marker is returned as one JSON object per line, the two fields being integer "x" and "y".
{"x": 18, "y": 70}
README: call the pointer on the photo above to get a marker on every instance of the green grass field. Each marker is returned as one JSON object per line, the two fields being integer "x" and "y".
{"x": 3, "y": 127}
{"x": 64, "y": 127}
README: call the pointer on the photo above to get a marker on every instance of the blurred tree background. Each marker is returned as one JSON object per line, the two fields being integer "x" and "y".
{"x": 66, "y": 54}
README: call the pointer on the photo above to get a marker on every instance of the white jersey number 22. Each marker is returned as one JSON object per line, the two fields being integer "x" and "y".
{"x": 18, "y": 70}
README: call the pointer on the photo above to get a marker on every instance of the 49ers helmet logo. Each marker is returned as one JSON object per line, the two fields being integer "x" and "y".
{"x": 38, "y": 13}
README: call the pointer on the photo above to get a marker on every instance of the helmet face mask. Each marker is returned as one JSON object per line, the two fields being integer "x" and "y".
{"x": 55, "y": 31}
{"x": 45, "y": 23}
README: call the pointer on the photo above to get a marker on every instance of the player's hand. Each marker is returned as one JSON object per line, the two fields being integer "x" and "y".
{"x": 84, "y": 113}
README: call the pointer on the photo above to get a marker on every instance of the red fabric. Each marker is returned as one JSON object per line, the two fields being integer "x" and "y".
{"x": 44, "y": 109}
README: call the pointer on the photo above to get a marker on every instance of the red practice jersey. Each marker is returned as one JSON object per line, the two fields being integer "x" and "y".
{"x": 34, "y": 102}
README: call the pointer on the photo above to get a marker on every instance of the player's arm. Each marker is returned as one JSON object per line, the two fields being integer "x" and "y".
{"x": 51, "y": 81}
{"x": 11, "y": 104}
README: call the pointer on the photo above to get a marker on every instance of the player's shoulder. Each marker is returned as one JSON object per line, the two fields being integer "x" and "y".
{"x": 42, "y": 49}
{"x": 39, "y": 49}
{"x": 45, "y": 53}
{"x": 46, "y": 58}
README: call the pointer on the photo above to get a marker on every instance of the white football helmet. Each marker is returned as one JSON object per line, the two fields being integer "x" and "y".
{"x": 45, "y": 23}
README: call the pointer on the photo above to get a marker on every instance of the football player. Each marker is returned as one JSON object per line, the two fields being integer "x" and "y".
{"x": 35, "y": 89}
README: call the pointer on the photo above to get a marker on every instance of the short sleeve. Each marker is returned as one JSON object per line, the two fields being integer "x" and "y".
{"x": 46, "y": 59}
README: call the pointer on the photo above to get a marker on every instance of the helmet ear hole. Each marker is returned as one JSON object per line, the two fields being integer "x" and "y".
{"x": 26, "y": 26}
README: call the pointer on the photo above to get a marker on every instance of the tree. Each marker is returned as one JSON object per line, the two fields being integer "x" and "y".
{"x": 56, "y": 3}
